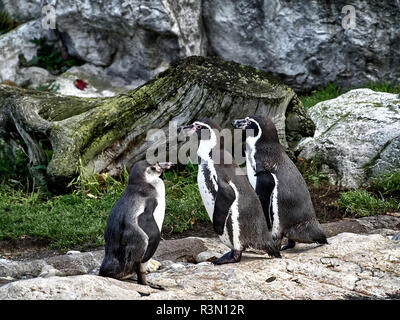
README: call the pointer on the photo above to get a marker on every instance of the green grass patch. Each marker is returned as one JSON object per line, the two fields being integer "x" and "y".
{"x": 184, "y": 205}
{"x": 78, "y": 220}
{"x": 362, "y": 203}
{"x": 333, "y": 90}
{"x": 388, "y": 183}
{"x": 330, "y": 91}
{"x": 49, "y": 57}
{"x": 65, "y": 221}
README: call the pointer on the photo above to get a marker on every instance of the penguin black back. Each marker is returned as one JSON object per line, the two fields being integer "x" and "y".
{"x": 133, "y": 227}
{"x": 279, "y": 184}
{"x": 231, "y": 203}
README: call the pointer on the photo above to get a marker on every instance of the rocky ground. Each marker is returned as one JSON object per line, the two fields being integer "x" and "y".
{"x": 360, "y": 262}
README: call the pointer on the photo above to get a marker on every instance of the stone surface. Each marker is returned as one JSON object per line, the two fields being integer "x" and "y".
{"x": 23, "y": 10}
{"x": 351, "y": 266}
{"x": 33, "y": 77}
{"x": 14, "y": 43}
{"x": 133, "y": 39}
{"x": 303, "y": 43}
{"x": 99, "y": 84}
{"x": 357, "y": 136}
{"x": 373, "y": 224}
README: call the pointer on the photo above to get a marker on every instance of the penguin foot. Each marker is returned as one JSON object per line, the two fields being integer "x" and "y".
{"x": 229, "y": 257}
{"x": 141, "y": 279}
{"x": 155, "y": 286}
{"x": 289, "y": 245}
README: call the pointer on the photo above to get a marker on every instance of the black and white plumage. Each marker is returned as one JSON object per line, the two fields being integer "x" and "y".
{"x": 280, "y": 186}
{"x": 230, "y": 201}
{"x": 134, "y": 225}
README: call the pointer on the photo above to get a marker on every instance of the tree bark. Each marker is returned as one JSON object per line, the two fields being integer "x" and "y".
{"x": 109, "y": 133}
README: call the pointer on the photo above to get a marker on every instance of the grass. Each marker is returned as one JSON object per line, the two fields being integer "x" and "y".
{"x": 183, "y": 201}
{"x": 330, "y": 91}
{"x": 333, "y": 90}
{"x": 387, "y": 183}
{"x": 78, "y": 220}
{"x": 362, "y": 203}
{"x": 49, "y": 58}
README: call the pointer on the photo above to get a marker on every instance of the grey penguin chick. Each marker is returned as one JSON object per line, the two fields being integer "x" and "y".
{"x": 134, "y": 225}
{"x": 280, "y": 186}
{"x": 230, "y": 201}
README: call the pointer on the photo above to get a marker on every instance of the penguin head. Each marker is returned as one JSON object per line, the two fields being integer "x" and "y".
{"x": 143, "y": 170}
{"x": 203, "y": 128}
{"x": 260, "y": 126}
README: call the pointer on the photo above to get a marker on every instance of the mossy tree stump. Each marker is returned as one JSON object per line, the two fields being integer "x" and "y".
{"x": 109, "y": 133}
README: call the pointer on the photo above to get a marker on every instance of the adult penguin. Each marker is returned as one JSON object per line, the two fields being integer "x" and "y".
{"x": 133, "y": 227}
{"x": 280, "y": 186}
{"x": 230, "y": 201}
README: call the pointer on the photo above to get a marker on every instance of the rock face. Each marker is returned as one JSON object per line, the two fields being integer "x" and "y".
{"x": 351, "y": 266}
{"x": 357, "y": 136}
{"x": 22, "y": 10}
{"x": 305, "y": 44}
{"x": 13, "y": 44}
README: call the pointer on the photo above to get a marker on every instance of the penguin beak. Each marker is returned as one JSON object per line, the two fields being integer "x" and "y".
{"x": 161, "y": 166}
{"x": 190, "y": 126}
{"x": 239, "y": 124}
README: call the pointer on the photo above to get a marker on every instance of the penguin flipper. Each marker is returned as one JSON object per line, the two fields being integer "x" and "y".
{"x": 148, "y": 224}
{"x": 264, "y": 188}
{"x": 223, "y": 202}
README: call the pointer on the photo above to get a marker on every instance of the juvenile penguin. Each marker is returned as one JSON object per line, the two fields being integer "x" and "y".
{"x": 280, "y": 186}
{"x": 230, "y": 201}
{"x": 133, "y": 227}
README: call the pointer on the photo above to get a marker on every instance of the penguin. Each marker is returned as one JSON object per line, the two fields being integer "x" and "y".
{"x": 283, "y": 193}
{"x": 229, "y": 199}
{"x": 133, "y": 227}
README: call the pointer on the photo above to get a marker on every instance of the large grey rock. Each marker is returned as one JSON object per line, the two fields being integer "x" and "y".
{"x": 15, "y": 43}
{"x": 134, "y": 39}
{"x": 99, "y": 84}
{"x": 23, "y": 10}
{"x": 361, "y": 266}
{"x": 357, "y": 136}
{"x": 304, "y": 42}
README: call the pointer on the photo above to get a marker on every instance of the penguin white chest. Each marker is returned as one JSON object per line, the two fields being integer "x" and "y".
{"x": 251, "y": 160}
{"x": 251, "y": 172}
{"x": 205, "y": 192}
{"x": 159, "y": 211}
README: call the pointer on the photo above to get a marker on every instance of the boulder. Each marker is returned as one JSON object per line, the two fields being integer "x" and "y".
{"x": 305, "y": 43}
{"x": 133, "y": 39}
{"x": 15, "y": 43}
{"x": 357, "y": 136}
{"x": 99, "y": 84}
{"x": 350, "y": 266}
{"x": 23, "y": 10}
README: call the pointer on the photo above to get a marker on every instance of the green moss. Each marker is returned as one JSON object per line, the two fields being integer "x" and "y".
{"x": 230, "y": 76}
